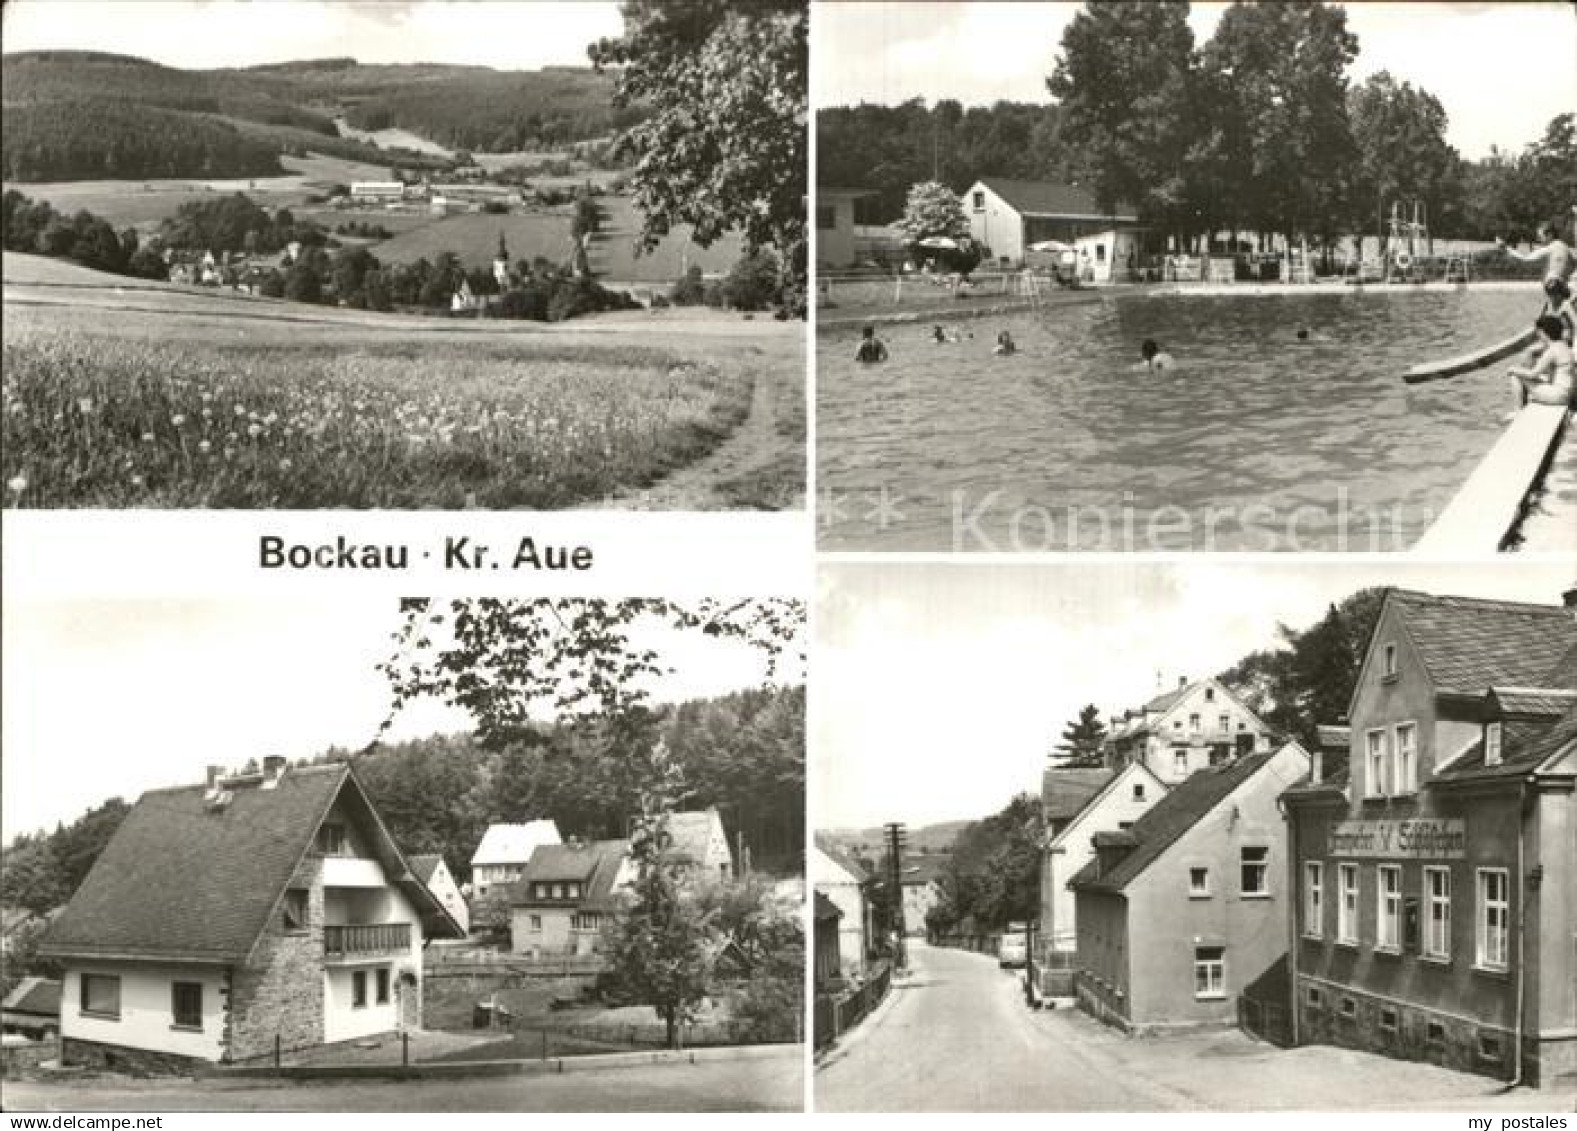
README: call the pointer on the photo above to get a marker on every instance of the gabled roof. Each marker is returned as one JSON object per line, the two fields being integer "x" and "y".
{"x": 1150, "y": 716}
{"x": 1169, "y": 819}
{"x": 39, "y": 997}
{"x": 1468, "y": 644}
{"x": 1047, "y": 198}
{"x": 1136, "y": 768}
{"x": 513, "y": 844}
{"x": 424, "y": 865}
{"x": 691, "y": 834}
{"x": 595, "y": 864}
{"x": 1532, "y": 702}
{"x": 826, "y": 909}
{"x": 842, "y": 858}
{"x": 1063, "y": 793}
{"x": 1525, "y": 745}
{"x": 182, "y": 879}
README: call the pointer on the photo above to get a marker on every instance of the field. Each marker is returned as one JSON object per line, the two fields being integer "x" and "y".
{"x": 140, "y": 395}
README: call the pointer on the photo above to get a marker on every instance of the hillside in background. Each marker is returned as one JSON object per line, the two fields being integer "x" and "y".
{"x": 76, "y": 115}
{"x": 872, "y": 841}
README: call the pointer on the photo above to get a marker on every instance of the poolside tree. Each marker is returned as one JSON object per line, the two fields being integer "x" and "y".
{"x": 721, "y": 146}
{"x": 1399, "y": 135}
{"x": 932, "y": 210}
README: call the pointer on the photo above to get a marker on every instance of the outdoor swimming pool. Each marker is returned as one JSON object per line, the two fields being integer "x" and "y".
{"x": 1257, "y": 442}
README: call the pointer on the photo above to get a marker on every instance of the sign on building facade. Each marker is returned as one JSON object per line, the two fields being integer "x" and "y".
{"x": 1431, "y": 838}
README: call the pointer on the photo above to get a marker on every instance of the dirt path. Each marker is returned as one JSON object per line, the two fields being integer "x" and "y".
{"x": 747, "y": 471}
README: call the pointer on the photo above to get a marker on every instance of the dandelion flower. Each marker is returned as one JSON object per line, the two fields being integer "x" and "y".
{"x": 178, "y": 419}
{"x": 284, "y": 465}
{"x": 240, "y": 410}
{"x": 136, "y": 481}
{"x": 17, "y": 483}
{"x": 147, "y": 437}
{"x": 254, "y": 430}
{"x": 85, "y": 404}
{"x": 204, "y": 446}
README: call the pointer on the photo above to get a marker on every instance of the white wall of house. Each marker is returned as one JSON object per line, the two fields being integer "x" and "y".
{"x": 1126, "y": 798}
{"x": 1181, "y": 738}
{"x": 994, "y": 222}
{"x": 544, "y": 931}
{"x": 834, "y": 231}
{"x": 343, "y": 1019}
{"x": 442, "y": 884}
{"x": 147, "y": 1018}
{"x": 1107, "y": 254}
{"x": 842, "y": 887}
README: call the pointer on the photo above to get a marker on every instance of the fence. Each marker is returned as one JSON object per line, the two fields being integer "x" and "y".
{"x": 836, "y": 1014}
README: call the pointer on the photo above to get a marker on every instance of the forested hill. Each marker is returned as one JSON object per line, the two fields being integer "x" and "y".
{"x": 744, "y": 753}
{"x": 75, "y": 115}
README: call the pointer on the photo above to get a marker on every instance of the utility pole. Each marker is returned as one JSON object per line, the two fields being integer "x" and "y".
{"x": 896, "y": 837}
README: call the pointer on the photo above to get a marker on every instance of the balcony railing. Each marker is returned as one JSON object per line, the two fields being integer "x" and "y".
{"x": 372, "y": 939}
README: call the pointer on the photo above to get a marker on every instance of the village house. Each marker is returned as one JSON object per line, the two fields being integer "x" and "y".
{"x": 1073, "y": 815}
{"x": 838, "y": 876}
{"x": 835, "y": 245}
{"x": 501, "y": 858}
{"x": 567, "y": 896}
{"x": 922, "y": 889}
{"x": 377, "y": 192}
{"x": 32, "y": 1009}
{"x": 1178, "y": 914}
{"x": 698, "y": 843}
{"x": 432, "y": 871}
{"x": 1008, "y": 216}
{"x": 828, "y": 968}
{"x": 1437, "y": 869}
{"x": 1181, "y": 731}
{"x": 261, "y": 911}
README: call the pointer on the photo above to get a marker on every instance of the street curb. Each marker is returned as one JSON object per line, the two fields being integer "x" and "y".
{"x": 462, "y": 1069}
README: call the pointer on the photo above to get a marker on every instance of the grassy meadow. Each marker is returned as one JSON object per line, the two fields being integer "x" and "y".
{"x": 95, "y": 421}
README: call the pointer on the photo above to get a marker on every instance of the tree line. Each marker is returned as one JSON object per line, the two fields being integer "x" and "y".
{"x": 1258, "y": 130}
{"x": 743, "y": 752}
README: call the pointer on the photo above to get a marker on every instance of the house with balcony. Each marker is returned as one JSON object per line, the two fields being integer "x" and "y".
{"x": 1437, "y": 860}
{"x": 259, "y": 911}
{"x": 1179, "y": 732}
{"x": 568, "y": 896}
{"x": 1183, "y": 911}
{"x": 501, "y": 858}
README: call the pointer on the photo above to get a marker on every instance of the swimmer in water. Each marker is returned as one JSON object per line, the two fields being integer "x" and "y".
{"x": 943, "y": 337}
{"x": 1005, "y": 345}
{"x": 871, "y": 349}
{"x": 1156, "y": 359}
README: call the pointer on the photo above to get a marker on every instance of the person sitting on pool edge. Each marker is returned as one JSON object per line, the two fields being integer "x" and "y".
{"x": 1155, "y": 358}
{"x": 1549, "y": 380}
{"x": 1005, "y": 345}
{"x": 1557, "y": 304}
{"x": 871, "y": 348}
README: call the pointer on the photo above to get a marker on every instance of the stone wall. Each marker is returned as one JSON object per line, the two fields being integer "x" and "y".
{"x": 118, "y": 1058}
{"x": 280, "y": 994}
{"x": 18, "y": 1059}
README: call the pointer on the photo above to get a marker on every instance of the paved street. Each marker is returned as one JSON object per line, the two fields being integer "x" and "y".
{"x": 956, "y": 1036}
{"x": 758, "y": 1084}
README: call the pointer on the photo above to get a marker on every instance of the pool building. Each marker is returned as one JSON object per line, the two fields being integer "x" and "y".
{"x": 1436, "y": 872}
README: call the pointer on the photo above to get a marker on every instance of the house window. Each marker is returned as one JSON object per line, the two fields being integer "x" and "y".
{"x": 1210, "y": 695}
{"x": 1349, "y": 1007}
{"x": 186, "y": 1005}
{"x": 1254, "y": 870}
{"x": 1199, "y": 881}
{"x": 1489, "y": 1047}
{"x": 293, "y": 911}
{"x": 825, "y": 221}
{"x": 1494, "y": 917}
{"x": 1435, "y": 1033}
{"x": 1492, "y": 738}
{"x": 332, "y": 842}
{"x": 978, "y": 200}
{"x": 1193, "y": 724}
{"x": 1406, "y": 758}
{"x": 1224, "y": 724}
{"x": 586, "y": 921}
{"x": 1138, "y": 791}
{"x": 1180, "y": 761}
{"x": 1388, "y": 662}
{"x": 574, "y": 891}
{"x": 536, "y": 922}
{"x": 1209, "y": 972}
{"x": 558, "y": 891}
{"x": 383, "y": 985}
{"x": 1313, "y": 897}
{"x": 1100, "y": 253}
{"x": 1437, "y": 933}
{"x": 1375, "y": 785}
{"x": 1347, "y": 908}
{"x": 1388, "y": 895}
{"x": 101, "y": 995}
{"x": 358, "y": 989}
{"x": 1314, "y": 998}
{"x": 1388, "y": 1018}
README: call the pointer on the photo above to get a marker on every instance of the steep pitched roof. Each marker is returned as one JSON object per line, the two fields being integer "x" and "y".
{"x": 691, "y": 833}
{"x": 826, "y": 909}
{"x": 842, "y": 859}
{"x": 1064, "y": 792}
{"x": 1169, "y": 819}
{"x": 424, "y": 865}
{"x": 513, "y": 844}
{"x": 183, "y": 879}
{"x": 39, "y": 997}
{"x": 1047, "y": 198}
{"x": 1467, "y": 644}
{"x": 1526, "y": 743}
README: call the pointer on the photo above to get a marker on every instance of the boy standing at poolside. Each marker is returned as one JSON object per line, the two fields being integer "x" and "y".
{"x": 1555, "y": 249}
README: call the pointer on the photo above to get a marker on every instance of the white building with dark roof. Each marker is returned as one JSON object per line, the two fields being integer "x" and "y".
{"x": 1009, "y": 215}
{"x": 501, "y": 858}
{"x": 222, "y": 921}
{"x": 568, "y": 896}
{"x": 1196, "y": 724}
{"x": 432, "y": 871}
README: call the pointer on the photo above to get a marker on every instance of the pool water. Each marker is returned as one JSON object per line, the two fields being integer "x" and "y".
{"x": 1256, "y": 442}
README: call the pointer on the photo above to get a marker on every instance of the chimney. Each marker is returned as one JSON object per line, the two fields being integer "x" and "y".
{"x": 214, "y": 773}
{"x": 1182, "y": 682}
{"x": 273, "y": 770}
{"x": 1316, "y": 766}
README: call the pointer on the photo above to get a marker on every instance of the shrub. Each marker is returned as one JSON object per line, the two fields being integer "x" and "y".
{"x": 752, "y": 284}
{"x": 690, "y": 290}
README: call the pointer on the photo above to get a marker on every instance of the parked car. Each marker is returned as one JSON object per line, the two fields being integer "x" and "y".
{"x": 1013, "y": 953}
